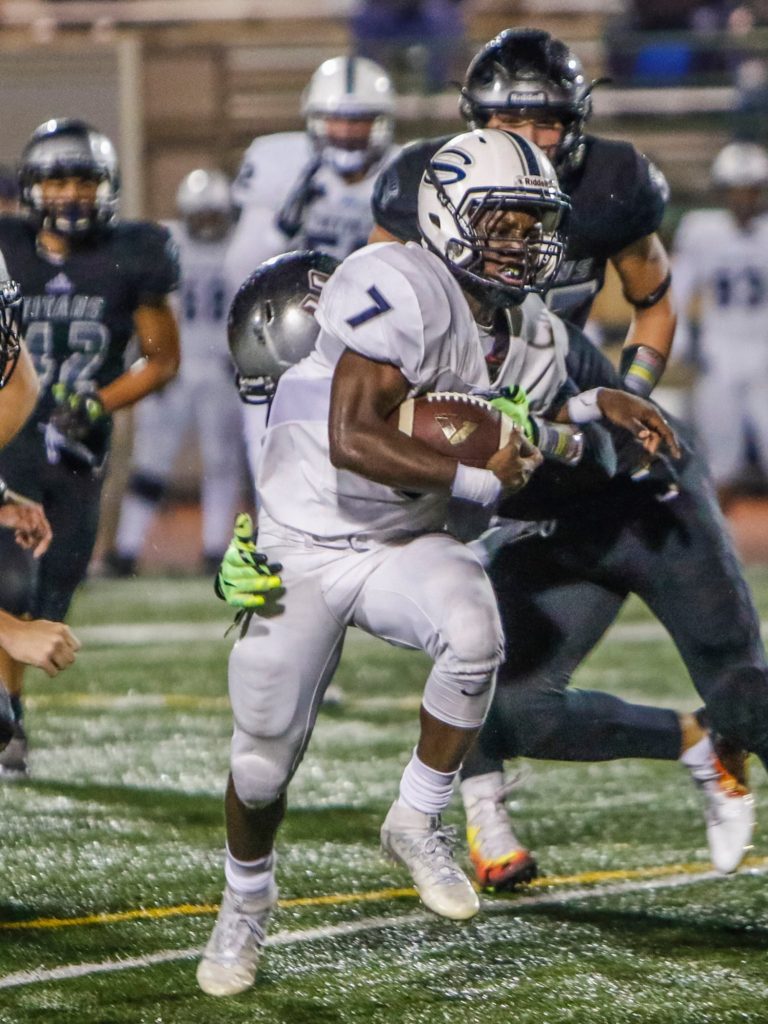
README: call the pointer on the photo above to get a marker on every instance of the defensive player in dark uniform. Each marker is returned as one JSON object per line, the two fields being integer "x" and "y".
{"x": 90, "y": 282}
{"x": 559, "y": 594}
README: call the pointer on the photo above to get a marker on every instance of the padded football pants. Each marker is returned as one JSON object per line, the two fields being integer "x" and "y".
{"x": 428, "y": 593}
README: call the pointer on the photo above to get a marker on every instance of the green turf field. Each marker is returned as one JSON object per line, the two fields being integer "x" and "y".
{"x": 112, "y": 853}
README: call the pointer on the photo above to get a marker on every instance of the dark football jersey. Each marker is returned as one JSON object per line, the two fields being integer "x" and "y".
{"x": 78, "y": 314}
{"x": 617, "y": 197}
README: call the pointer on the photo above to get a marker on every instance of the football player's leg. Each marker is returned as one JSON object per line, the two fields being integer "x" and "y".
{"x": 552, "y": 619}
{"x": 23, "y": 469}
{"x": 693, "y": 583}
{"x": 222, "y": 452}
{"x": 160, "y": 422}
{"x": 275, "y": 687}
{"x": 432, "y": 594}
{"x": 718, "y": 416}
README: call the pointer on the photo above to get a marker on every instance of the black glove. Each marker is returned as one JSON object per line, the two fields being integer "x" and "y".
{"x": 77, "y": 428}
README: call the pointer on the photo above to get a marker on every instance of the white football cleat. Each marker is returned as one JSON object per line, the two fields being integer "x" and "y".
{"x": 729, "y": 805}
{"x": 500, "y": 860}
{"x": 232, "y": 955}
{"x": 420, "y": 843}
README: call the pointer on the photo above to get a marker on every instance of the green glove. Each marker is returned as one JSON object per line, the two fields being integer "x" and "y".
{"x": 513, "y": 402}
{"x": 245, "y": 580}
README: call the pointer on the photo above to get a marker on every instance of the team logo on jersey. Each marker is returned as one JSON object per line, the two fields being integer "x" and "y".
{"x": 315, "y": 279}
{"x": 59, "y": 285}
{"x": 454, "y": 433}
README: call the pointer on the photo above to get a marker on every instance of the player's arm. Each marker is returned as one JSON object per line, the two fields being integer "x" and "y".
{"x": 18, "y": 397}
{"x": 631, "y": 412}
{"x": 158, "y": 335}
{"x": 50, "y": 646}
{"x": 644, "y": 270}
{"x": 363, "y": 394}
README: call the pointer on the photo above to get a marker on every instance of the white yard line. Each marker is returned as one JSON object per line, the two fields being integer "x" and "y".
{"x": 132, "y": 634}
{"x": 369, "y": 924}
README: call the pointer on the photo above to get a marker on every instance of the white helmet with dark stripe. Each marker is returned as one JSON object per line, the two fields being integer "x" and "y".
{"x": 466, "y": 182}
{"x": 352, "y": 89}
{"x": 741, "y": 164}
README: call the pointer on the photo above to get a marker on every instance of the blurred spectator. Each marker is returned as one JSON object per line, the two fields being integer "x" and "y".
{"x": 427, "y": 36}
{"x": 202, "y": 397}
{"x": 721, "y": 283}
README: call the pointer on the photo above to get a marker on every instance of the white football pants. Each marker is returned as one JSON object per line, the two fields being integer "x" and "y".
{"x": 429, "y": 593}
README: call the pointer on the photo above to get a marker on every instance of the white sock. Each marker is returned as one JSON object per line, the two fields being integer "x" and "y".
{"x": 249, "y": 878}
{"x": 424, "y": 789}
{"x": 699, "y": 755}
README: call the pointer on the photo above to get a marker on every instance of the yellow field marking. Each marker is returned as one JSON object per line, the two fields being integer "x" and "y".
{"x": 374, "y": 896}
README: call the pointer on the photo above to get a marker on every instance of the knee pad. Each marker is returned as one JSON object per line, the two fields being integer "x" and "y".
{"x": 258, "y": 777}
{"x": 18, "y": 579}
{"x": 737, "y": 708}
{"x": 149, "y": 488}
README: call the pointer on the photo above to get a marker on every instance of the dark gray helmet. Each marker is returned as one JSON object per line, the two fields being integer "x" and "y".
{"x": 272, "y": 319}
{"x": 62, "y": 148}
{"x": 526, "y": 69}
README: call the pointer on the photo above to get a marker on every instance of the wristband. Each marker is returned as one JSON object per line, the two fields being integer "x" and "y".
{"x": 481, "y": 486}
{"x": 559, "y": 441}
{"x": 583, "y": 408}
{"x": 645, "y": 370}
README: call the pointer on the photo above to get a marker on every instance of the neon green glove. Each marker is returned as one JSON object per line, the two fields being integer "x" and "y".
{"x": 245, "y": 580}
{"x": 513, "y": 402}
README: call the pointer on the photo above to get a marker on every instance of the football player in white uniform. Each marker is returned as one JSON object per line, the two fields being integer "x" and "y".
{"x": 354, "y": 510}
{"x": 721, "y": 262}
{"x": 312, "y": 189}
{"x": 201, "y": 396}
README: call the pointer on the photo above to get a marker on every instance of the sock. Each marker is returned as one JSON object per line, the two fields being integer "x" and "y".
{"x": 424, "y": 789}
{"x": 249, "y": 878}
{"x": 17, "y": 707}
{"x": 699, "y": 756}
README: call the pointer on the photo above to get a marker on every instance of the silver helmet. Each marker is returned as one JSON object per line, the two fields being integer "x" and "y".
{"x": 272, "y": 320}
{"x": 204, "y": 201}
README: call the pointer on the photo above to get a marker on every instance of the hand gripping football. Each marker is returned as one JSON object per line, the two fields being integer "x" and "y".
{"x": 464, "y": 427}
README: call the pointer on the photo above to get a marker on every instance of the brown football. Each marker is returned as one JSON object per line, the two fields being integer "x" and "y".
{"x": 463, "y": 427}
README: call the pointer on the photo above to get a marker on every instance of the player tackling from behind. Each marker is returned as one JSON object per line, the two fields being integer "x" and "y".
{"x": 354, "y": 511}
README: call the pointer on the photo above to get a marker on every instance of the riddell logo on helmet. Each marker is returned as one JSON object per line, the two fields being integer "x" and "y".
{"x": 536, "y": 182}
{"x": 527, "y": 97}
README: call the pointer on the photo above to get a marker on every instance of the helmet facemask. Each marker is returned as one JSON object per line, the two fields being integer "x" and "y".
{"x": 70, "y": 151}
{"x": 355, "y": 150}
{"x": 508, "y": 241}
{"x": 10, "y": 329}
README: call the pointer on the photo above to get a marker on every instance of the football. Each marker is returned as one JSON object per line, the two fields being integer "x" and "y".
{"x": 461, "y": 426}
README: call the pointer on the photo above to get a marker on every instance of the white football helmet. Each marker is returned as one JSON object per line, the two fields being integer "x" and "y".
{"x": 204, "y": 201}
{"x": 469, "y": 180}
{"x": 272, "y": 319}
{"x": 354, "y": 89}
{"x": 740, "y": 164}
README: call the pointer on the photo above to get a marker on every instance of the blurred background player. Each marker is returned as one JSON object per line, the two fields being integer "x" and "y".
{"x": 613, "y": 536}
{"x": 202, "y": 397}
{"x": 90, "y": 282}
{"x": 721, "y": 284}
{"x": 9, "y": 190}
{"x": 312, "y": 189}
